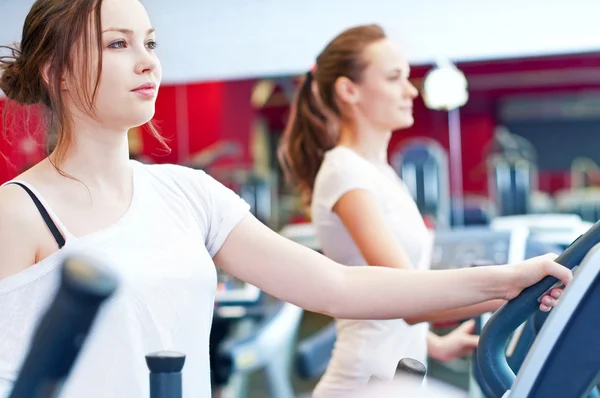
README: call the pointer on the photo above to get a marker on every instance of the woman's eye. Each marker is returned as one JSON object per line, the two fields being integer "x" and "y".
{"x": 118, "y": 44}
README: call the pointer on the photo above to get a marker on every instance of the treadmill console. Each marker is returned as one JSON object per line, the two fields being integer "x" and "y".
{"x": 465, "y": 247}
{"x": 460, "y": 248}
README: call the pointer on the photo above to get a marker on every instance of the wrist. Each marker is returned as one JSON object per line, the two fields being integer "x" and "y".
{"x": 495, "y": 305}
{"x": 500, "y": 282}
{"x": 433, "y": 345}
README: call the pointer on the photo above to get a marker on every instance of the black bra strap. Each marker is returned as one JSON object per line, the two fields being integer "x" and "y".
{"x": 60, "y": 240}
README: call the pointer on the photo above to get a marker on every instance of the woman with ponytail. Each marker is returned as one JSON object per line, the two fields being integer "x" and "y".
{"x": 334, "y": 150}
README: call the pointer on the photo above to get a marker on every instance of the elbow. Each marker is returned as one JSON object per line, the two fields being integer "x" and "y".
{"x": 330, "y": 306}
{"x": 413, "y": 320}
{"x": 331, "y": 311}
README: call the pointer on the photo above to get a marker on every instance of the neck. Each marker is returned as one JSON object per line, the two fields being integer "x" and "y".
{"x": 97, "y": 156}
{"x": 366, "y": 141}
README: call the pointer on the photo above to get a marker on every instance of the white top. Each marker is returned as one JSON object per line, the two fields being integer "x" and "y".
{"x": 366, "y": 349}
{"x": 162, "y": 251}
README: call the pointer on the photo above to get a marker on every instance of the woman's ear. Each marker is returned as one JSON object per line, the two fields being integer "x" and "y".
{"x": 46, "y": 76}
{"x": 346, "y": 91}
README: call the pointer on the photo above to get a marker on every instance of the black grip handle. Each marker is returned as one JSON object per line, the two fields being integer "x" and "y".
{"x": 61, "y": 332}
{"x": 490, "y": 353}
{"x": 165, "y": 374}
{"x": 412, "y": 367}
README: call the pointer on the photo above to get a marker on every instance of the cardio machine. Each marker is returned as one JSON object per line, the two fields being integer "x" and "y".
{"x": 547, "y": 231}
{"x": 512, "y": 172}
{"x": 480, "y": 246}
{"x": 264, "y": 342}
{"x": 564, "y": 359}
{"x": 423, "y": 166}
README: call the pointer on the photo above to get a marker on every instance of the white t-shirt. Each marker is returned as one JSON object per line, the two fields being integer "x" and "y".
{"x": 366, "y": 349}
{"x": 162, "y": 251}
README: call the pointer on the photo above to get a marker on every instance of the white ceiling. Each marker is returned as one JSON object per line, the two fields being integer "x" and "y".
{"x": 221, "y": 39}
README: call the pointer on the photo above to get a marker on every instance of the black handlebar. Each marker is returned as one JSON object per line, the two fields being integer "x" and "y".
{"x": 61, "y": 332}
{"x": 490, "y": 352}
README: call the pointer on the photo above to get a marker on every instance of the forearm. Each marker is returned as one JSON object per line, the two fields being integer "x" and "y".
{"x": 458, "y": 314}
{"x": 383, "y": 293}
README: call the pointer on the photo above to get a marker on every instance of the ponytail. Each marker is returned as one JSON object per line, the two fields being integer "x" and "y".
{"x": 312, "y": 127}
{"x": 307, "y": 136}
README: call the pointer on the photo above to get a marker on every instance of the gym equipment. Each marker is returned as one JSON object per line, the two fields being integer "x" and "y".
{"x": 547, "y": 233}
{"x": 85, "y": 284}
{"x": 491, "y": 357}
{"x": 422, "y": 163}
{"x": 584, "y": 202}
{"x": 256, "y": 332}
{"x": 584, "y": 172}
{"x": 302, "y": 233}
{"x": 165, "y": 374}
{"x": 519, "y": 345}
{"x": 232, "y": 292}
{"x": 423, "y": 166}
{"x": 259, "y": 191}
{"x": 268, "y": 347}
{"x": 480, "y": 246}
{"x": 314, "y": 352}
{"x": 463, "y": 247}
{"x": 477, "y": 210}
{"x": 512, "y": 172}
{"x": 412, "y": 367}
{"x": 564, "y": 359}
{"x": 551, "y": 229}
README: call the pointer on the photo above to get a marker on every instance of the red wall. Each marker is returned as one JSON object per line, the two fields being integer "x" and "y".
{"x": 195, "y": 116}
{"x": 23, "y": 130}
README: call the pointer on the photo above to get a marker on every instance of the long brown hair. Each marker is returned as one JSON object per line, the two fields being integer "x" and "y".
{"x": 312, "y": 128}
{"x": 32, "y": 73}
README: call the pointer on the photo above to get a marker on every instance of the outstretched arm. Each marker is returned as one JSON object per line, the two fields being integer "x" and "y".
{"x": 296, "y": 274}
